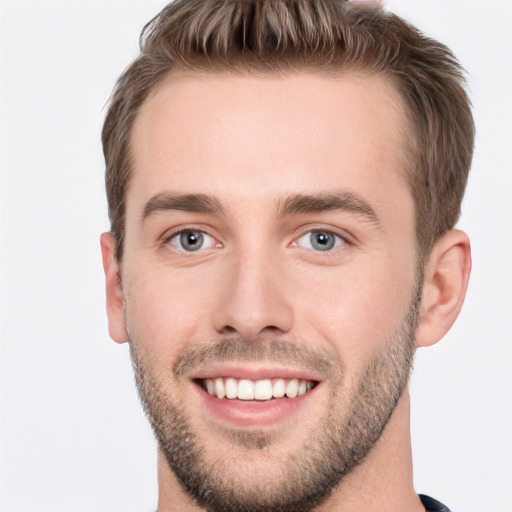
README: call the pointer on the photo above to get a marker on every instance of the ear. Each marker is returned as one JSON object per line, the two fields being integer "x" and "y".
{"x": 445, "y": 283}
{"x": 114, "y": 289}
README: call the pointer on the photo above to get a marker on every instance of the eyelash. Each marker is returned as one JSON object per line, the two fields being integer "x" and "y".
{"x": 340, "y": 240}
{"x": 168, "y": 239}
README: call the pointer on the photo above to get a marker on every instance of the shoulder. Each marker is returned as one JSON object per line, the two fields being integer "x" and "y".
{"x": 432, "y": 505}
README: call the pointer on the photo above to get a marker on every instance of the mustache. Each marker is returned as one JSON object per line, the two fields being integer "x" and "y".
{"x": 286, "y": 353}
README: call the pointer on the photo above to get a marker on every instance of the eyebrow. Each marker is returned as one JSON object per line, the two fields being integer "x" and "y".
{"x": 195, "y": 203}
{"x": 319, "y": 203}
{"x": 292, "y": 205}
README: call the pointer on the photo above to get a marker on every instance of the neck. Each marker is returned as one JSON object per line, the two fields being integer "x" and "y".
{"x": 383, "y": 482}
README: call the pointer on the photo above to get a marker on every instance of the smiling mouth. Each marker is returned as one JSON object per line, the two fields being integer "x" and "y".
{"x": 264, "y": 389}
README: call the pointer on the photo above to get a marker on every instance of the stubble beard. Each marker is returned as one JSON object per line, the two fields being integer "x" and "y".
{"x": 308, "y": 475}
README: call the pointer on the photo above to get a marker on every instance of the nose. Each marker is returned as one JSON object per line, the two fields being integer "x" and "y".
{"x": 252, "y": 300}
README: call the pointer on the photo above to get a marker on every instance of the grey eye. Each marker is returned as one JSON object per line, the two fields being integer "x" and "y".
{"x": 191, "y": 241}
{"x": 320, "y": 240}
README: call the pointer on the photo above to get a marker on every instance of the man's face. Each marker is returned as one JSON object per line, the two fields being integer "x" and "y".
{"x": 269, "y": 250}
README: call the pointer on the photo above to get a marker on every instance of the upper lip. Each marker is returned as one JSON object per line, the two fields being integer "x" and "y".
{"x": 251, "y": 371}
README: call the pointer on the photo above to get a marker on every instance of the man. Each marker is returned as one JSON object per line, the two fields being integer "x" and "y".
{"x": 283, "y": 181}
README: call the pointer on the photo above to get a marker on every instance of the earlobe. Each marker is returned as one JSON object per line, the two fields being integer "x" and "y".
{"x": 445, "y": 283}
{"x": 114, "y": 290}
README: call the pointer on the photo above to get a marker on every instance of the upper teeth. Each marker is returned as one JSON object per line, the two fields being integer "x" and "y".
{"x": 265, "y": 389}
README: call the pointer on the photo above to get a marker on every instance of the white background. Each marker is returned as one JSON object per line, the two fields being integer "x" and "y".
{"x": 73, "y": 438}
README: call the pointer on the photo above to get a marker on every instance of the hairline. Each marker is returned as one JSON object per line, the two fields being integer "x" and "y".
{"x": 248, "y": 68}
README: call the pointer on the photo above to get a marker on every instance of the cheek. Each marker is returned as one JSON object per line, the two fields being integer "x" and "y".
{"x": 166, "y": 310}
{"x": 355, "y": 310}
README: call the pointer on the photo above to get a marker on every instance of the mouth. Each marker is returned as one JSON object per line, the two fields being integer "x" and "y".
{"x": 263, "y": 400}
{"x": 231, "y": 388}
{"x": 255, "y": 395}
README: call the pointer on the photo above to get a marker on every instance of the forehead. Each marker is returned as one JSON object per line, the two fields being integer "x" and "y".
{"x": 259, "y": 137}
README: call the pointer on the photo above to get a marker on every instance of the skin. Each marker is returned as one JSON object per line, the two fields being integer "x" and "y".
{"x": 366, "y": 5}
{"x": 252, "y": 142}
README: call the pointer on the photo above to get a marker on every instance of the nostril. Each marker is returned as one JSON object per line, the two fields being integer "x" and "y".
{"x": 270, "y": 330}
{"x": 228, "y": 330}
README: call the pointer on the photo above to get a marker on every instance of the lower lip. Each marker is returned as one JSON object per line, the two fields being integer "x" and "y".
{"x": 246, "y": 413}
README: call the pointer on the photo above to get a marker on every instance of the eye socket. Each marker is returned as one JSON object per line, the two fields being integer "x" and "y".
{"x": 190, "y": 240}
{"x": 320, "y": 240}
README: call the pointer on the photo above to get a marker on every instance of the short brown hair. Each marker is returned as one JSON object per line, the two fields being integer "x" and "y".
{"x": 276, "y": 36}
